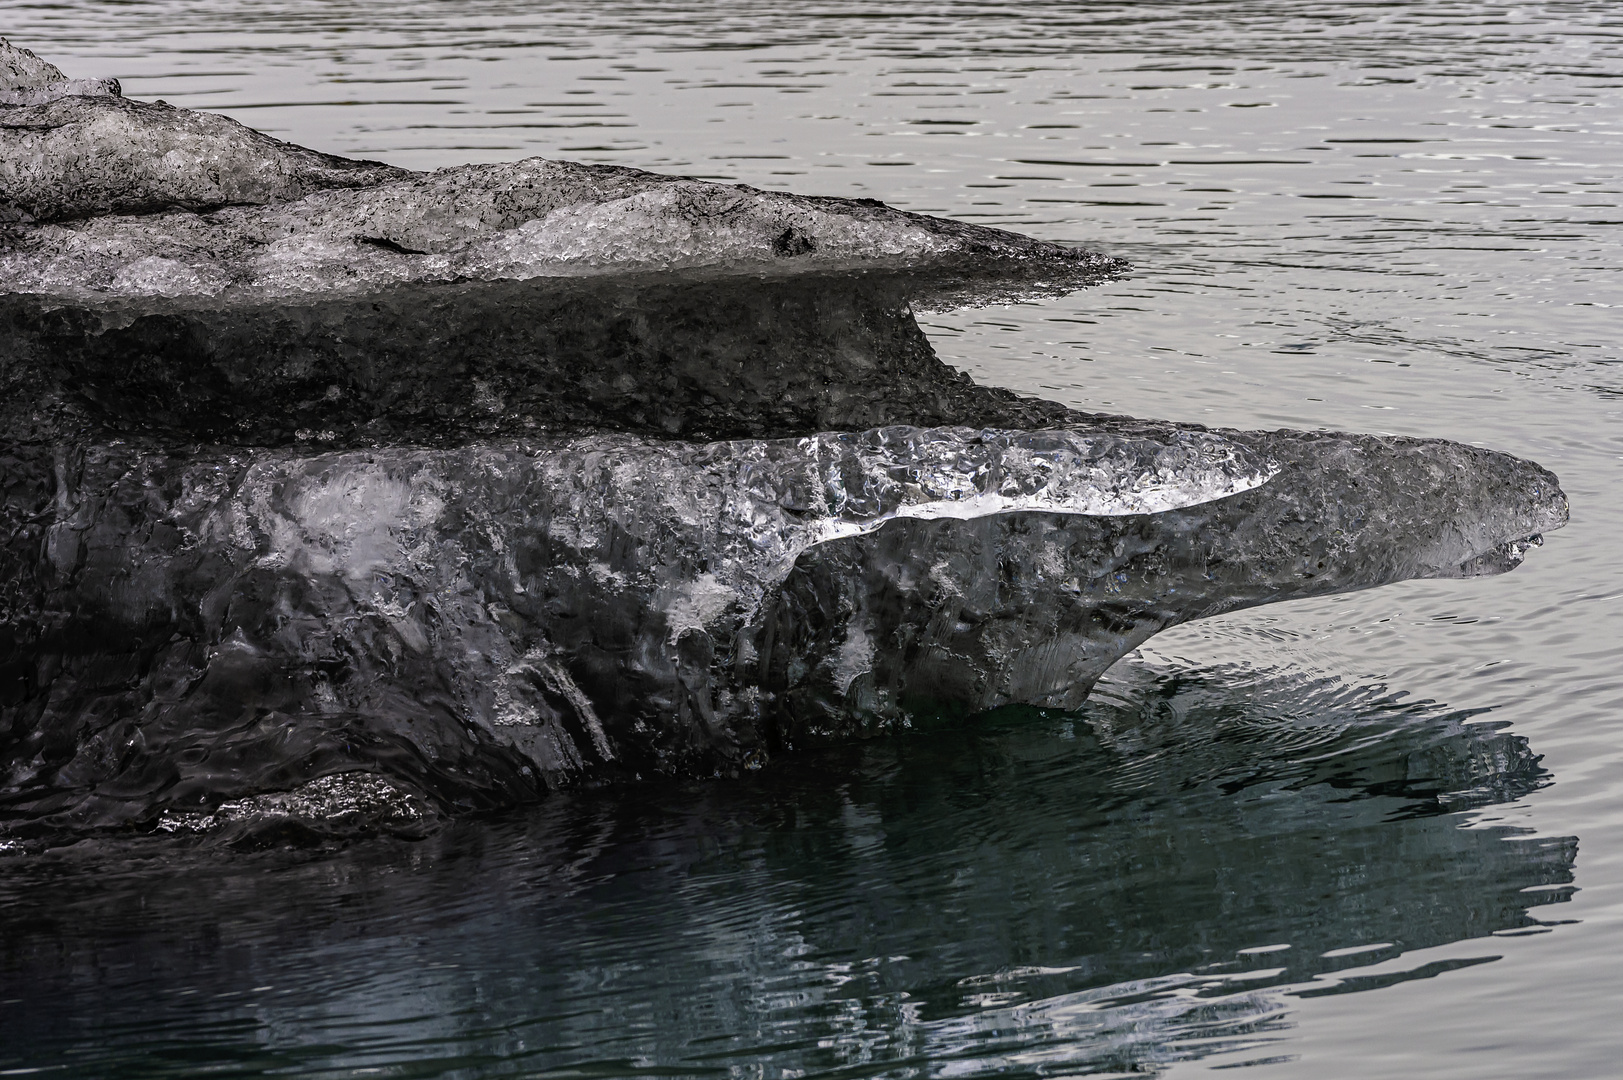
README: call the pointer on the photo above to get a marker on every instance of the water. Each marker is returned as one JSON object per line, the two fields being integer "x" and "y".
{"x": 1375, "y": 835}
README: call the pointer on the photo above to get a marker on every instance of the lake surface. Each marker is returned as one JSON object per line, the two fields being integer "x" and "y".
{"x": 1379, "y": 835}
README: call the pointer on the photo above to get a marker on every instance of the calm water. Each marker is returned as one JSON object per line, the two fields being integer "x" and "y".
{"x": 1374, "y": 836}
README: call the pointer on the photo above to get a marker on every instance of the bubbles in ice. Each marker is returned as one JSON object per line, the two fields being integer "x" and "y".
{"x": 343, "y": 800}
{"x": 720, "y": 524}
{"x": 20, "y": 69}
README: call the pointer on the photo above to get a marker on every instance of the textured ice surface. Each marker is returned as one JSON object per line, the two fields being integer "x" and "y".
{"x": 66, "y": 154}
{"x": 21, "y": 70}
{"x": 484, "y": 622}
{"x": 65, "y": 88}
{"x": 374, "y": 495}
{"x": 533, "y": 218}
{"x": 194, "y": 206}
{"x": 154, "y": 201}
{"x": 76, "y": 155}
{"x": 25, "y": 79}
{"x": 74, "y": 148}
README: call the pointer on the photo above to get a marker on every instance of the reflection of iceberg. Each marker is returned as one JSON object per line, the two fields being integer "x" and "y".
{"x": 1083, "y": 889}
{"x": 493, "y": 478}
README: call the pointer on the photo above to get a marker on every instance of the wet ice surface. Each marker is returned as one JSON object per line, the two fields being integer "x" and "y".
{"x": 1393, "y": 307}
{"x": 486, "y": 622}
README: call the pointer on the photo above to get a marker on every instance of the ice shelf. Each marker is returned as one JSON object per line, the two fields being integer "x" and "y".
{"x": 325, "y": 484}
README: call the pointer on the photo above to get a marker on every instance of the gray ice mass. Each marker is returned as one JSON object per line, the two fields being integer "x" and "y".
{"x": 325, "y": 484}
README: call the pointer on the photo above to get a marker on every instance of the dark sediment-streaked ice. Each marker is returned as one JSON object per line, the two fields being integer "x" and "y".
{"x": 494, "y": 479}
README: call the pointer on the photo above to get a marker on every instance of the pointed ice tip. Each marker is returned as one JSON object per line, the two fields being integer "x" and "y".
{"x": 1550, "y": 511}
{"x": 1468, "y": 511}
{"x": 1557, "y": 511}
{"x": 1515, "y": 504}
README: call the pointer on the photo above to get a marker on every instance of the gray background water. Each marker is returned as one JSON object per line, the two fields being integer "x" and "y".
{"x": 1368, "y": 216}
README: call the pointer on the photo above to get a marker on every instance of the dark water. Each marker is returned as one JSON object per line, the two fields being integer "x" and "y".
{"x": 1175, "y": 866}
{"x": 1377, "y": 835}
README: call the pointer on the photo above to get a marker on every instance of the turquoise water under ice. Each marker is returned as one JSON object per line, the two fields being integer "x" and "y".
{"x": 1379, "y": 835}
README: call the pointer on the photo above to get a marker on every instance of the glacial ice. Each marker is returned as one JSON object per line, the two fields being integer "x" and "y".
{"x": 136, "y": 199}
{"x": 494, "y": 479}
{"x": 21, "y": 70}
{"x": 483, "y": 622}
{"x": 528, "y": 219}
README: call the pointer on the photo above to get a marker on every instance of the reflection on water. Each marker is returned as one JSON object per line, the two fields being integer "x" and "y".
{"x": 1154, "y": 877}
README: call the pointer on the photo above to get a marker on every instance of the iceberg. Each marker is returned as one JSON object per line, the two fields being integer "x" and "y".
{"x": 472, "y": 484}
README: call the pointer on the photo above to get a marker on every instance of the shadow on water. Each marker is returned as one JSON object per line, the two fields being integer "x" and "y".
{"x": 1152, "y": 877}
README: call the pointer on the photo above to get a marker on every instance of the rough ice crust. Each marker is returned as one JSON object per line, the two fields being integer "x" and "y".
{"x": 21, "y": 70}
{"x": 25, "y": 79}
{"x": 154, "y": 201}
{"x": 528, "y": 219}
{"x": 66, "y": 88}
{"x": 483, "y": 623}
{"x": 66, "y": 155}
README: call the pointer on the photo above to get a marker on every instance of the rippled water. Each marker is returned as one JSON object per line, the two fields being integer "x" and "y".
{"x": 1376, "y": 835}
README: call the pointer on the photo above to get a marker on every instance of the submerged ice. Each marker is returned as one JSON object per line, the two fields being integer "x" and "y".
{"x": 475, "y": 483}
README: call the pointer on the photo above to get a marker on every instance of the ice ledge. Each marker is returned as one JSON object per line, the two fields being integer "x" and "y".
{"x": 483, "y": 622}
{"x": 111, "y": 198}
{"x": 459, "y": 590}
{"x": 517, "y": 221}
{"x": 749, "y": 508}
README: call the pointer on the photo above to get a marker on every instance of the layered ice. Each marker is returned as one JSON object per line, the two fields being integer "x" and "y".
{"x": 467, "y": 485}
{"x": 486, "y": 622}
{"x": 131, "y": 199}
{"x": 534, "y": 218}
